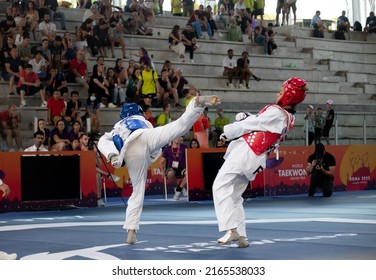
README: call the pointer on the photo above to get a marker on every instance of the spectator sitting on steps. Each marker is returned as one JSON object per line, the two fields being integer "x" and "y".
{"x": 343, "y": 24}
{"x": 370, "y": 25}
{"x": 13, "y": 67}
{"x": 229, "y": 67}
{"x": 56, "y": 108}
{"x": 199, "y": 20}
{"x": 176, "y": 43}
{"x": 244, "y": 71}
{"x": 318, "y": 25}
{"x": 9, "y": 122}
{"x": 165, "y": 89}
{"x": 271, "y": 43}
{"x": 29, "y": 84}
{"x": 261, "y": 36}
{"x": 189, "y": 39}
{"x": 59, "y": 137}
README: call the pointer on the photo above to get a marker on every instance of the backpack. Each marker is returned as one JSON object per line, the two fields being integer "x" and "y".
{"x": 318, "y": 33}
{"x": 339, "y": 35}
{"x": 357, "y": 26}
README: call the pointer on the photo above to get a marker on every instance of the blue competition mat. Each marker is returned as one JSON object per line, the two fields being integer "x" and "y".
{"x": 287, "y": 228}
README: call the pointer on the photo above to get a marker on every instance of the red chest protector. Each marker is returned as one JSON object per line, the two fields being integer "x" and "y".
{"x": 265, "y": 141}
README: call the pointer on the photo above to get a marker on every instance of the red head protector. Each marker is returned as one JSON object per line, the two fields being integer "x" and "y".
{"x": 294, "y": 91}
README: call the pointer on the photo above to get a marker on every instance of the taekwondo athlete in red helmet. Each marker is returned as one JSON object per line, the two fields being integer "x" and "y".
{"x": 252, "y": 138}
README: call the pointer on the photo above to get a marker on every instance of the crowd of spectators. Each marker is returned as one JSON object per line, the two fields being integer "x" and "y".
{"x": 103, "y": 29}
{"x": 58, "y": 60}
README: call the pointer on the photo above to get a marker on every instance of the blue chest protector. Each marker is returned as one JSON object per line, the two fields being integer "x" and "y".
{"x": 132, "y": 125}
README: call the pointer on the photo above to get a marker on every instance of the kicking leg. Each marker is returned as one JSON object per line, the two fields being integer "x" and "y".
{"x": 162, "y": 135}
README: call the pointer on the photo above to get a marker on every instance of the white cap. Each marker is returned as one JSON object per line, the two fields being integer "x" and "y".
{"x": 330, "y": 102}
{"x": 310, "y": 106}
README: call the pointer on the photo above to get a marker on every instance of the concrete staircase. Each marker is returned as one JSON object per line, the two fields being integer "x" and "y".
{"x": 344, "y": 71}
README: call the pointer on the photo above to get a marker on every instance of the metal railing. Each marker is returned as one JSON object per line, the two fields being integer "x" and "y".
{"x": 336, "y": 130}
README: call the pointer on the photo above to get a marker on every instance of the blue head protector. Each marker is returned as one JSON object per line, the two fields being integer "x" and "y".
{"x": 130, "y": 109}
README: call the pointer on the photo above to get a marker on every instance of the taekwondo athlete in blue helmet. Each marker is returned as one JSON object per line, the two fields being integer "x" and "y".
{"x": 136, "y": 142}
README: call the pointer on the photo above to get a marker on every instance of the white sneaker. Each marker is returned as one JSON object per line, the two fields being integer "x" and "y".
{"x": 5, "y": 256}
{"x": 23, "y": 103}
{"x": 177, "y": 195}
{"x": 131, "y": 236}
{"x": 241, "y": 86}
{"x": 220, "y": 34}
{"x": 100, "y": 203}
{"x": 44, "y": 104}
{"x": 192, "y": 61}
{"x": 231, "y": 85}
{"x": 102, "y": 105}
{"x": 111, "y": 105}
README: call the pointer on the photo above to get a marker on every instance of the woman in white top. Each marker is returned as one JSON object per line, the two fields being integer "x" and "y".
{"x": 176, "y": 43}
{"x": 80, "y": 42}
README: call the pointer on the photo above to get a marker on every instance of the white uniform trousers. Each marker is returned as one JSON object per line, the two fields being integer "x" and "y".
{"x": 241, "y": 166}
{"x": 137, "y": 157}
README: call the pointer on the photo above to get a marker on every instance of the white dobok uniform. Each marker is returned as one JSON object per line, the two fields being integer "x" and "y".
{"x": 140, "y": 148}
{"x": 256, "y": 136}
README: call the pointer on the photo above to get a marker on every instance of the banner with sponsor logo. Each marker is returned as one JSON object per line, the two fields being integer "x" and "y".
{"x": 355, "y": 170}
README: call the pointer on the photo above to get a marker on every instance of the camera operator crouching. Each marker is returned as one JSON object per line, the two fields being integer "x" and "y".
{"x": 321, "y": 166}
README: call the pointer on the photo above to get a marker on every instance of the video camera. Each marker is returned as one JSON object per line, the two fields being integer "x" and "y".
{"x": 319, "y": 162}
{"x": 93, "y": 138}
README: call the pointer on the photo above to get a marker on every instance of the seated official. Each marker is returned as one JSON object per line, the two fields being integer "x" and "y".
{"x": 38, "y": 139}
{"x": 173, "y": 165}
{"x": 321, "y": 166}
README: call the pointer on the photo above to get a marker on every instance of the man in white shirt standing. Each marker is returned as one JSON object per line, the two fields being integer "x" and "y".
{"x": 38, "y": 143}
